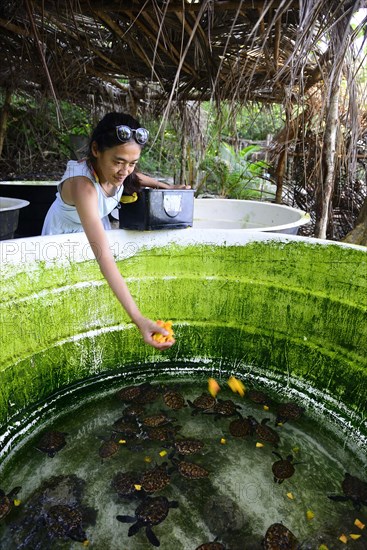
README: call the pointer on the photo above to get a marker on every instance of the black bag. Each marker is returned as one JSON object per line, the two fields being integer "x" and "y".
{"x": 158, "y": 209}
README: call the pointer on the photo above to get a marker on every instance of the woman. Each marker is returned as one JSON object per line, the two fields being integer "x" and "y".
{"x": 90, "y": 189}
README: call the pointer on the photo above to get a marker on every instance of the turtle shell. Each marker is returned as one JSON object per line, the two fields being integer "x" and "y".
{"x": 283, "y": 469}
{"x": 259, "y": 397}
{"x": 52, "y": 442}
{"x": 129, "y": 394}
{"x": 154, "y": 420}
{"x": 124, "y": 483}
{"x": 134, "y": 410}
{"x": 279, "y": 537}
{"x": 128, "y": 427}
{"x": 153, "y": 510}
{"x": 188, "y": 446}
{"x": 148, "y": 394}
{"x": 7, "y": 501}
{"x": 204, "y": 402}
{"x": 266, "y": 433}
{"x": 225, "y": 408}
{"x": 174, "y": 400}
{"x": 190, "y": 470}
{"x": 108, "y": 448}
{"x": 65, "y": 522}
{"x": 240, "y": 427}
{"x": 354, "y": 488}
{"x": 162, "y": 433}
{"x": 288, "y": 411}
{"x": 155, "y": 479}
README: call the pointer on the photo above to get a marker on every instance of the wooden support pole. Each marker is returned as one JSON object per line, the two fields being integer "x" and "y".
{"x": 4, "y": 115}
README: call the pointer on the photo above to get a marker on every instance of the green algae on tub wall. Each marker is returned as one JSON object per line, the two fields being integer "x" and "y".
{"x": 293, "y": 309}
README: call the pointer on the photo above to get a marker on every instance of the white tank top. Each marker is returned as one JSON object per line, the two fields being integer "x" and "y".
{"x": 63, "y": 218}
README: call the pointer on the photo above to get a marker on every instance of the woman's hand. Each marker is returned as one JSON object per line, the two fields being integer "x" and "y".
{"x": 148, "y": 328}
{"x": 181, "y": 186}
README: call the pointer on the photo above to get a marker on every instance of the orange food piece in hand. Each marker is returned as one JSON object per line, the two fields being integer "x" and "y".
{"x": 161, "y": 338}
{"x": 213, "y": 387}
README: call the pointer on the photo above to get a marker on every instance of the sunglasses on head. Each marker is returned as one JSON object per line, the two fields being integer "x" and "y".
{"x": 125, "y": 133}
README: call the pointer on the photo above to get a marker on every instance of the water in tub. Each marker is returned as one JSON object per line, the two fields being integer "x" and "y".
{"x": 236, "y": 502}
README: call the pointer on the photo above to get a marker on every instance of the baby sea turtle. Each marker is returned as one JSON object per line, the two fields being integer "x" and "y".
{"x": 283, "y": 468}
{"x": 224, "y": 407}
{"x": 52, "y": 442}
{"x": 259, "y": 397}
{"x": 108, "y": 448}
{"x": 130, "y": 393}
{"x": 354, "y": 489}
{"x": 7, "y": 501}
{"x": 124, "y": 483}
{"x": 148, "y": 394}
{"x": 190, "y": 470}
{"x": 159, "y": 419}
{"x": 188, "y": 446}
{"x": 264, "y": 432}
{"x": 127, "y": 427}
{"x": 278, "y": 537}
{"x": 155, "y": 479}
{"x": 150, "y": 512}
{"x": 174, "y": 400}
{"x": 241, "y": 427}
{"x": 65, "y": 522}
{"x": 162, "y": 433}
{"x": 288, "y": 411}
{"x": 204, "y": 403}
{"x": 134, "y": 410}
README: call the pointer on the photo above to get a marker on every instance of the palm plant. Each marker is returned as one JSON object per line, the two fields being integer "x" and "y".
{"x": 233, "y": 174}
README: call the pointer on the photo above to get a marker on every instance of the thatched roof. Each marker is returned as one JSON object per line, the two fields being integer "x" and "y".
{"x": 267, "y": 50}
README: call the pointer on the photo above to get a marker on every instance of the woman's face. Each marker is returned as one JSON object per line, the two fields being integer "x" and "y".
{"x": 115, "y": 164}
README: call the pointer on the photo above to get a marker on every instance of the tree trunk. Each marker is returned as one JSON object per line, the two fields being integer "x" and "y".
{"x": 326, "y": 187}
{"x": 4, "y": 119}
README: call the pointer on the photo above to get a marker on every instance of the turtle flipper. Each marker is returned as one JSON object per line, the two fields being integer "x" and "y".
{"x": 339, "y": 498}
{"x": 126, "y": 519}
{"x": 151, "y": 536}
{"x": 13, "y": 492}
{"x": 134, "y": 529}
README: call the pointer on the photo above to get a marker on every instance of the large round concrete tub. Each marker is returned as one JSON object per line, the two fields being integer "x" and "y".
{"x": 9, "y": 216}
{"x": 248, "y": 216}
{"x": 288, "y": 311}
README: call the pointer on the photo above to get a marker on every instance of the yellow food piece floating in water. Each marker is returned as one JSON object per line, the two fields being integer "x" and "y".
{"x": 17, "y": 502}
{"x": 290, "y": 495}
{"x": 162, "y": 338}
{"x": 213, "y": 387}
{"x": 310, "y": 515}
{"x": 147, "y": 459}
{"x": 137, "y": 487}
{"x": 354, "y": 536}
{"x": 295, "y": 449}
{"x": 266, "y": 408}
{"x": 223, "y": 441}
{"x": 259, "y": 445}
{"x": 359, "y": 524}
{"x": 86, "y": 543}
{"x": 323, "y": 547}
{"x": 236, "y": 386}
{"x": 162, "y": 453}
{"x": 122, "y": 441}
{"x": 343, "y": 539}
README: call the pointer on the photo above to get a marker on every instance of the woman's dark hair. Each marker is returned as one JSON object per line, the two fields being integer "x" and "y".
{"x": 105, "y": 136}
